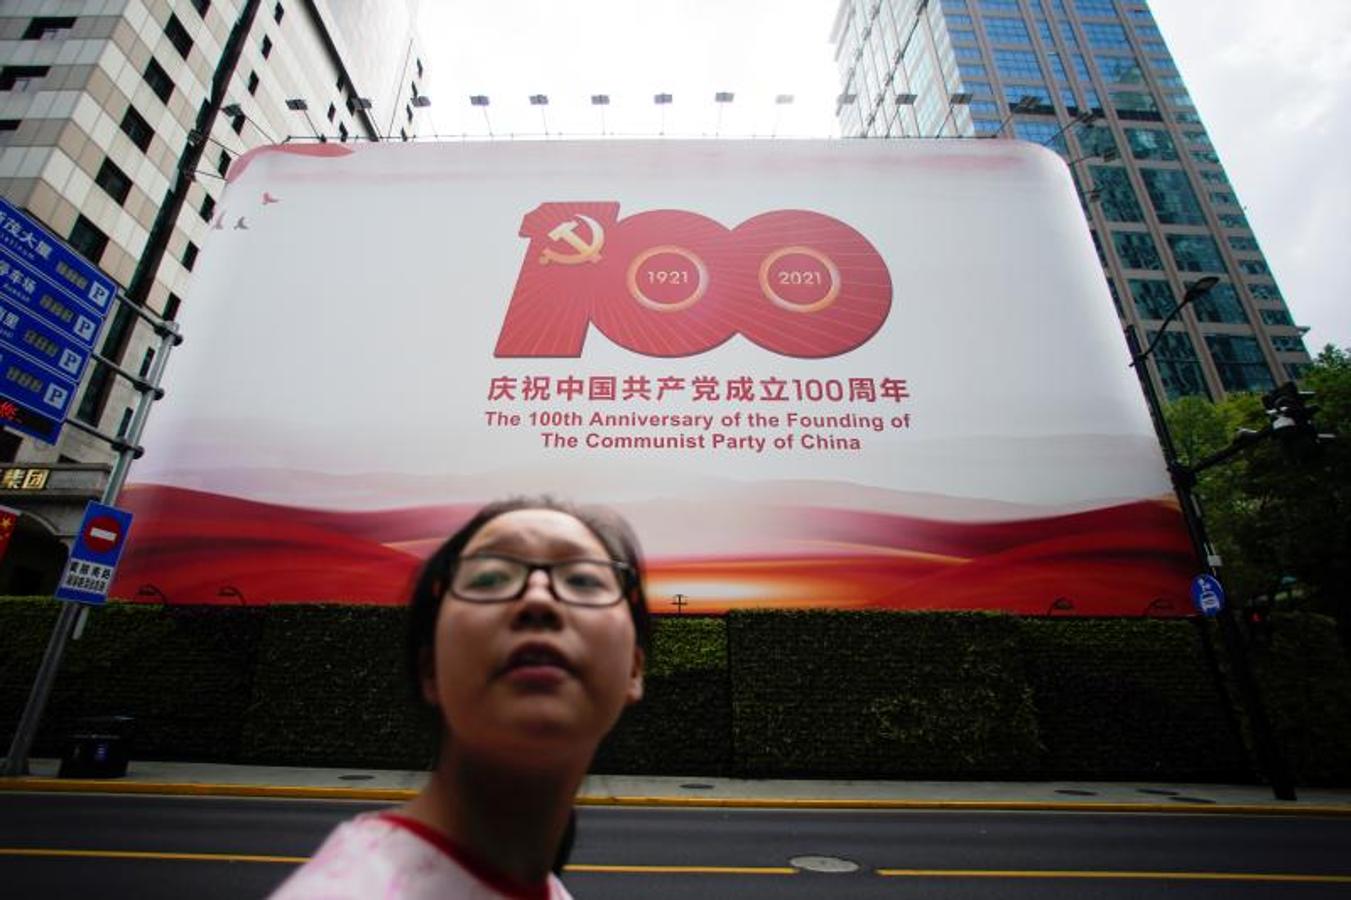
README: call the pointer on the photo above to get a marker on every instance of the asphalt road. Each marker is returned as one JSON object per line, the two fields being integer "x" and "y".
{"x": 113, "y": 846}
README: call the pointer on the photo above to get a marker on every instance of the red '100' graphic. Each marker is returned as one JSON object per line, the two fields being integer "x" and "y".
{"x": 675, "y": 283}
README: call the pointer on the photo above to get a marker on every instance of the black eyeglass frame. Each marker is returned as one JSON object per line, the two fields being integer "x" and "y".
{"x": 623, "y": 569}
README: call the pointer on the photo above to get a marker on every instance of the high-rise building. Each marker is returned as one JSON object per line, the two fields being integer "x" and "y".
{"x": 118, "y": 122}
{"x": 1092, "y": 80}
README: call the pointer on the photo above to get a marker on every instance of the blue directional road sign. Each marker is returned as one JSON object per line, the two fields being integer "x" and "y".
{"x": 1207, "y": 595}
{"x": 52, "y": 306}
{"x": 93, "y": 559}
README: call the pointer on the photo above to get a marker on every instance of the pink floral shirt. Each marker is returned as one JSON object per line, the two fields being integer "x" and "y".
{"x": 384, "y": 856}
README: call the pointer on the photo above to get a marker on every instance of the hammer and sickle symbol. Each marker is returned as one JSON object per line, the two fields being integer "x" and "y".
{"x": 567, "y": 233}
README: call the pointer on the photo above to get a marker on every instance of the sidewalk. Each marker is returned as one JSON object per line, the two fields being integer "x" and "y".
{"x": 206, "y": 779}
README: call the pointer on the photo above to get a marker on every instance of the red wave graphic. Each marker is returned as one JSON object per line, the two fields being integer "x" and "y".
{"x": 1131, "y": 559}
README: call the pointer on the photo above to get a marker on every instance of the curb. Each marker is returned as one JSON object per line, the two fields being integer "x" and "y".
{"x": 302, "y": 792}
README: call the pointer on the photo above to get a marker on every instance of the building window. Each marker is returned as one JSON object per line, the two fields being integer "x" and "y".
{"x": 253, "y": 82}
{"x": 20, "y": 79}
{"x": 1151, "y": 143}
{"x": 1220, "y": 304}
{"x": 277, "y": 13}
{"x": 178, "y": 36}
{"x": 1254, "y": 267}
{"x": 267, "y": 46}
{"x": 1018, "y": 65}
{"x": 1136, "y": 105}
{"x": 7, "y": 129}
{"x": 125, "y": 423}
{"x": 114, "y": 181}
{"x": 159, "y": 80}
{"x": 1288, "y": 343}
{"x": 403, "y": 133}
{"x": 1153, "y": 299}
{"x": 1116, "y": 194}
{"x": 146, "y": 361}
{"x": 1095, "y": 141}
{"x": 223, "y": 163}
{"x": 201, "y": 6}
{"x": 88, "y": 240}
{"x": 1244, "y": 244}
{"x": 49, "y": 28}
{"x": 419, "y": 68}
{"x": 1136, "y": 250}
{"x": 1179, "y": 369}
{"x": 332, "y": 111}
{"x": 1277, "y": 317}
{"x": 1233, "y": 220}
{"x": 237, "y": 123}
{"x": 1106, "y": 37}
{"x": 1195, "y": 253}
{"x": 208, "y": 208}
{"x": 1120, "y": 69}
{"x": 1240, "y": 363}
{"x": 1172, "y": 196}
{"x": 1267, "y": 292}
{"x": 1095, "y": 8}
{"x": 409, "y": 111}
{"x": 342, "y": 132}
{"x": 171, "y": 307}
{"x": 9, "y": 445}
{"x": 137, "y": 128}
{"x": 1002, "y": 30}
{"x": 189, "y": 256}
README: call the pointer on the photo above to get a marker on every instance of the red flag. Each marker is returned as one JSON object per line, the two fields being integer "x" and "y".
{"x": 8, "y": 519}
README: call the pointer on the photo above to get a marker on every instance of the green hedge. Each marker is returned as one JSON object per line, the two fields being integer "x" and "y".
{"x": 759, "y": 694}
{"x": 185, "y": 674}
{"x": 331, "y": 690}
{"x": 1129, "y": 698}
{"x": 1305, "y": 680}
{"x": 914, "y": 695}
{"x": 682, "y": 725}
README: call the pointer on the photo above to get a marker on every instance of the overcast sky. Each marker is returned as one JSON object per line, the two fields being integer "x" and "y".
{"x": 1266, "y": 84}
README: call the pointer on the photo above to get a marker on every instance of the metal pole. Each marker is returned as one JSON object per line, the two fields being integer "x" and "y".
{"x": 72, "y": 615}
{"x": 1269, "y": 757}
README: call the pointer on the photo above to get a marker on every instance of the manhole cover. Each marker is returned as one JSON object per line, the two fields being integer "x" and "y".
{"x": 697, "y": 786}
{"x": 831, "y": 864}
{"x": 355, "y": 777}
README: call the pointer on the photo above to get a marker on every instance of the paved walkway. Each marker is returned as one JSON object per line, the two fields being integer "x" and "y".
{"x": 618, "y": 790}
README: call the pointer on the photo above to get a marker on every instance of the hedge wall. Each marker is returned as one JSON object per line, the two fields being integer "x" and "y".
{"x": 1128, "y": 698}
{"x": 186, "y": 675}
{"x": 682, "y": 725}
{"x": 887, "y": 695}
{"x": 1305, "y": 679}
{"x": 759, "y": 694}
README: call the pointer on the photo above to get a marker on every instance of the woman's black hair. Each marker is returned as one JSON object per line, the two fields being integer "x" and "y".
{"x": 430, "y": 588}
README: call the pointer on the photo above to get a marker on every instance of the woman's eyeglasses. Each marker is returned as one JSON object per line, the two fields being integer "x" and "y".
{"x": 488, "y": 578}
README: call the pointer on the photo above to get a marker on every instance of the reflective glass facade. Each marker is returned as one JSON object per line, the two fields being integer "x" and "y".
{"x": 1156, "y": 197}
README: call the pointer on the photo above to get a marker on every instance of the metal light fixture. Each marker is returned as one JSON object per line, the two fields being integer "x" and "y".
{"x": 422, "y": 101}
{"x": 906, "y": 99}
{"x": 661, "y": 99}
{"x": 723, "y": 97}
{"x": 783, "y": 99}
{"x": 600, "y": 99}
{"x": 539, "y": 100}
{"x": 478, "y": 100}
{"x": 295, "y": 104}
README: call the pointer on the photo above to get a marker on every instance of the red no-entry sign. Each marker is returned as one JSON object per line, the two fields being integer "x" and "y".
{"x": 102, "y": 534}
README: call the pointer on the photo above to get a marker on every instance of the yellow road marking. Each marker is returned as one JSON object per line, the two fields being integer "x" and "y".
{"x": 150, "y": 854}
{"x": 683, "y": 870}
{"x": 1063, "y": 873}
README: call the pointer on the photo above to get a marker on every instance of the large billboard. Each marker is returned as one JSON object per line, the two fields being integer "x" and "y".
{"x": 816, "y": 373}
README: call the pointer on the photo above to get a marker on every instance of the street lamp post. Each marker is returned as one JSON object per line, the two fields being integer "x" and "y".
{"x": 1184, "y": 479}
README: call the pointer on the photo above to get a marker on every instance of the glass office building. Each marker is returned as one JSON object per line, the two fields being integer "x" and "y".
{"x": 1094, "y": 81}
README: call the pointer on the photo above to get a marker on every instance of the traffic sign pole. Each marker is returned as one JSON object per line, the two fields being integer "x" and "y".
{"x": 16, "y": 761}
